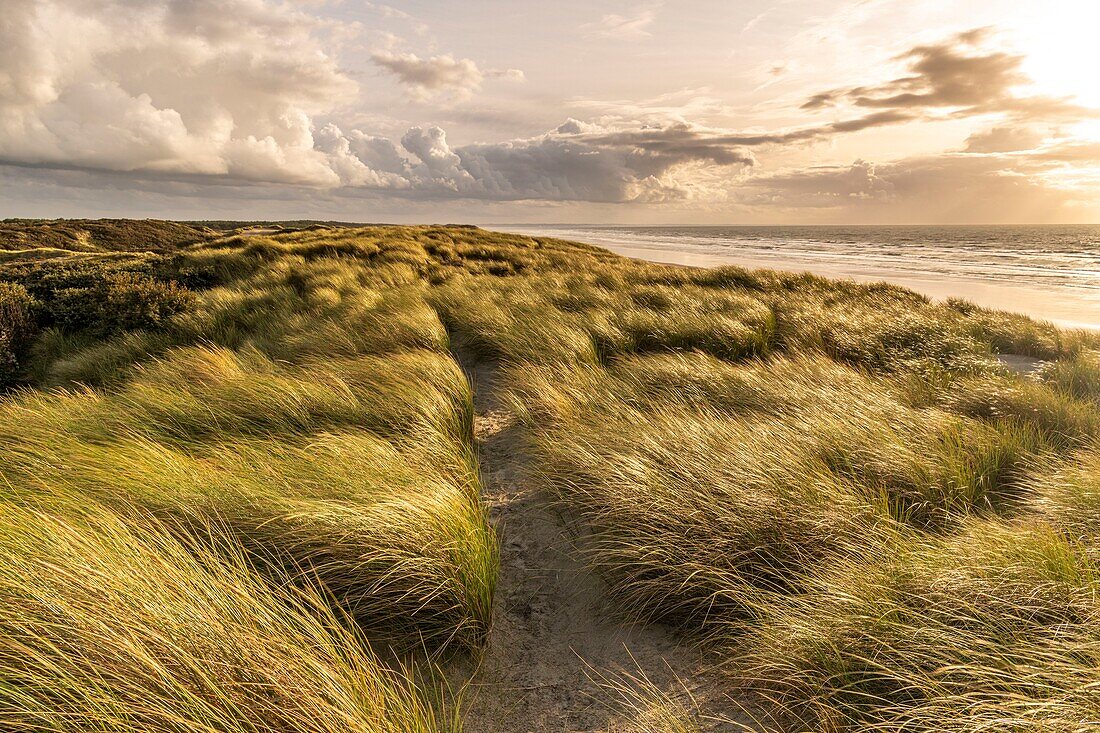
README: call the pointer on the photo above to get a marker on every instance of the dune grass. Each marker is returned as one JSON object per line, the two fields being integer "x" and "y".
{"x": 855, "y": 502}
{"x": 111, "y": 623}
{"x": 288, "y": 461}
{"x": 239, "y": 489}
{"x": 704, "y": 482}
{"x": 99, "y": 235}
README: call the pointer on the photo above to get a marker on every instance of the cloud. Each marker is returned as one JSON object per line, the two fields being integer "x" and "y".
{"x": 1003, "y": 139}
{"x": 674, "y": 140}
{"x": 946, "y": 188}
{"x": 425, "y": 77}
{"x": 241, "y": 95}
{"x": 684, "y": 136}
{"x": 238, "y": 92}
{"x": 961, "y": 76}
{"x": 392, "y": 13}
{"x": 179, "y": 86}
{"x": 1080, "y": 152}
{"x": 509, "y": 74}
{"x": 571, "y": 163}
{"x": 634, "y": 26}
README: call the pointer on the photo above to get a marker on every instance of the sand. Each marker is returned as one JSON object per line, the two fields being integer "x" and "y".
{"x": 1067, "y": 307}
{"x": 554, "y": 637}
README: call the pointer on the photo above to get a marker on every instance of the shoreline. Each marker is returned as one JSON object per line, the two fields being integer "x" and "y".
{"x": 1065, "y": 307}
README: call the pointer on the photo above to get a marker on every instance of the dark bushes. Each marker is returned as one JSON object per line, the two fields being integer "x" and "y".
{"x": 117, "y": 303}
{"x": 105, "y": 296}
{"x": 18, "y": 323}
{"x": 100, "y": 235}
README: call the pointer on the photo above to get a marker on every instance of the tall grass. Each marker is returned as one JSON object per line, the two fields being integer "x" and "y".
{"x": 590, "y": 319}
{"x": 857, "y": 502}
{"x": 703, "y": 483}
{"x": 248, "y": 492}
{"x": 355, "y": 470}
{"x": 990, "y": 629}
{"x": 212, "y": 514}
{"x": 109, "y": 622}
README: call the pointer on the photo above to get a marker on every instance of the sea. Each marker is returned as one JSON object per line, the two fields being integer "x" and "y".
{"x": 1048, "y": 272}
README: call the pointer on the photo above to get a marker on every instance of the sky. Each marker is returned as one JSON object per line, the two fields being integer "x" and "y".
{"x": 674, "y": 112}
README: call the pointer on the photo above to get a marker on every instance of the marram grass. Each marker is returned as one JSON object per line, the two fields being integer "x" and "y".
{"x": 110, "y": 623}
{"x": 262, "y": 512}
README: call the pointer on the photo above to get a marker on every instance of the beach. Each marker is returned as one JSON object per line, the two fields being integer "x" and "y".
{"x": 1050, "y": 273}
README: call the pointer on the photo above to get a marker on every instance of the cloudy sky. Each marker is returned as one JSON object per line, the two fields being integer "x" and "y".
{"x": 513, "y": 111}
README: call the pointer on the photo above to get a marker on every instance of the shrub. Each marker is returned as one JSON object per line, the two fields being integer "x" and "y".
{"x": 118, "y": 303}
{"x": 18, "y": 323}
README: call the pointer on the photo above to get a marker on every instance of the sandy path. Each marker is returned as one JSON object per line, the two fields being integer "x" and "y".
{"x": 552, "y": 632}
{"x": 260, "y": 231}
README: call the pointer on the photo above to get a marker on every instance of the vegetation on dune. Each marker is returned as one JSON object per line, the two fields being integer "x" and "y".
{"x": 992, "y": 628}
{"x": 589, "y": 318}
{"x": 706, "y": 483}
{"x": 837, "y": 487}
{"x": 99, "y": 235}
{"x": 291, "y": 434}
{"x": 853, "y": 490}
{"x": 18, "y": 324}
{"x": 110, "y": 622}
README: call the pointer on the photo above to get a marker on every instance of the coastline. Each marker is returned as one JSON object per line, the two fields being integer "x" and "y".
{"x": 1074, "y": 308}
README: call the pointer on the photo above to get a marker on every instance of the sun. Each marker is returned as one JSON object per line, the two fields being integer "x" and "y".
{"x": 1062, "y": 48}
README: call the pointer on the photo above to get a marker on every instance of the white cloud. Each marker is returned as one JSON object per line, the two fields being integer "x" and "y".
{"x": 177, "y": 86}
{"x": 424, "y": 77}
{"x": 634, "y": 26}
{"x": 233, "y": 90}
{"x": 576, "y": 162}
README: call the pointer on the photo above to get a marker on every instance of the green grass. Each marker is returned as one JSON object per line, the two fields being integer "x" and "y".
{"x": 704, "y": 482}
{"x": 239, "y": 488}
{"x": 846, "y": 494}
{"x": 110, "y": 623}
{"x": 298, "y": 439}
{"x": 993, "y": 628}
{"x": 99, "y": 235}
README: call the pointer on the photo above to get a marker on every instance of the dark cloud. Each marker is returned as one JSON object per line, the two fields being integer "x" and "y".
{"x": 677, "y": 140}
{"x": 960, "y": 75}
{"x": 682, "y": 134}
{"x": 955, "y": 73}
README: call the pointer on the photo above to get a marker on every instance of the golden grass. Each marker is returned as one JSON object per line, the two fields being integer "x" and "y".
{"x": 110, "y": 623}
{"x": 836, "y": 487}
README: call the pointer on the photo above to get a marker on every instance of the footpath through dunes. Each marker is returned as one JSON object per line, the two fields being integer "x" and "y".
{"x": 559, "y": 657}
{"x": 875, "y": 512}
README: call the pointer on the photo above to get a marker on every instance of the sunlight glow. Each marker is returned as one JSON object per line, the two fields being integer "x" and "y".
{"x": 1063, "y": 50}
